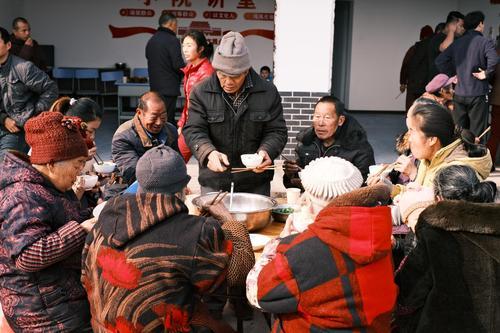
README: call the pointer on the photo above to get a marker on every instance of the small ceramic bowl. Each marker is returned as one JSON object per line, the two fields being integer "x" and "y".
{"x": 280, "y": 213}
{"x": 105, "y": 167}
{"x": 90, "y": 181}
{"x": 251, "y": 160}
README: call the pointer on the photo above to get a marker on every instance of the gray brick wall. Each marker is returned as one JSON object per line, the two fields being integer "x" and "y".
{"x": 297, "y": 110}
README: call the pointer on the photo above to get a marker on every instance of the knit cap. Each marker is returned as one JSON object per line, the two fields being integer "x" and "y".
{"x": 54, "y": 137}
{"x": 328, "y": 177}
{"x": 161, "y": 170}
{"x": 231, "y": 56}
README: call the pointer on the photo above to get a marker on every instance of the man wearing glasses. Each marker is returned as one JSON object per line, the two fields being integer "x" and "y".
{"x": 235, "y": 112}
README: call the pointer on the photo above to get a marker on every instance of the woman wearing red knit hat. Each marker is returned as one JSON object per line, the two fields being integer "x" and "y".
{"x": 42, "y": 229}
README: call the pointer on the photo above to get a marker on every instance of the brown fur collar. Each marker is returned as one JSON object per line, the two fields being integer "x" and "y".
{"x": 145, "y": 139}
{"x": 368, "y": 196}
{"x": 478, "y": 218}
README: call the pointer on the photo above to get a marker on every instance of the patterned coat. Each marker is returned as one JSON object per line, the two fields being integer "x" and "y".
{"x": 337, "y": 275}
{"x": 147, "y": 261}
{"x": 51, "y": 299}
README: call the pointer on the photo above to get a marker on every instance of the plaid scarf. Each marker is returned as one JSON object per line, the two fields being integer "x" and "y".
{"x": 235, "y": 100}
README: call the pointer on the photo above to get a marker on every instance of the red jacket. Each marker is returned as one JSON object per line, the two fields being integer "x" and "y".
{"x": 193, "y": 75}
{"x": 338, "y": 274}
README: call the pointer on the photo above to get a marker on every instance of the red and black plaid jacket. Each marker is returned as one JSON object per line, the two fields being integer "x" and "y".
{"x": 338, "y": 274}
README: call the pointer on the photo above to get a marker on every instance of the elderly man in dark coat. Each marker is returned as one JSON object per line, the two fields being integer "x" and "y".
{"x": 231, "y": 113}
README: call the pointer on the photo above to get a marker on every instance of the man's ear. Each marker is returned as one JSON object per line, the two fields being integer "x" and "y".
{"x": 341, "y": 120}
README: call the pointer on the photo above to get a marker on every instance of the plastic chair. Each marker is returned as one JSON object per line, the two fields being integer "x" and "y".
{"x": 87, "y": 82}
{"x": 140, "y": 72}
{"x": 108, "y": 88}
{"x": 65, "y": 79}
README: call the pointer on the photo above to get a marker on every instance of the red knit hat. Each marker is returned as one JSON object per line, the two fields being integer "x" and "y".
{"x": 54, "y": 137}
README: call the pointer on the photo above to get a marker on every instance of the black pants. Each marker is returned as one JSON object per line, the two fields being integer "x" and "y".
{"x": 471, "y": 113}
{"x": 170, "y": 104}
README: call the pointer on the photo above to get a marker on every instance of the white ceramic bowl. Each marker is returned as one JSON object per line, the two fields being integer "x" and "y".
{"x": 90, "y": 181}
{"x": 251, "y": 160}
{"x": 97, "y": 209}
{"x": 373, "y": 169}
{"x": 105, "y": 167}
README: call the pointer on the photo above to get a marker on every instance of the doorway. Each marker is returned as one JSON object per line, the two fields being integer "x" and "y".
{"x": 342, "y": 39}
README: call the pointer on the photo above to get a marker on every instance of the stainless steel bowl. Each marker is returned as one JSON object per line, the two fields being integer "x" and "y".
{"x": 253, "y": 210}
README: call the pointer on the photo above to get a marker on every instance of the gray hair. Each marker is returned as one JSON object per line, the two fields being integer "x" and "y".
{"x": 460, "y": 182}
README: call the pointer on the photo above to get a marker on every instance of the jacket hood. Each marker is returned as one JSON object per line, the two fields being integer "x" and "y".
{"x": 480, "y": 222}
{"x": 16, "y": 167}
{"x": 129, "y": 215}
{"x": 454, "y": 153}
{"x": 354, "y": 225}
{"x": 350, "y": 135}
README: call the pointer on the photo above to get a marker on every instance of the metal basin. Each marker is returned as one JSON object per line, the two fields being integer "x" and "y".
{"x": 253, "y": 210}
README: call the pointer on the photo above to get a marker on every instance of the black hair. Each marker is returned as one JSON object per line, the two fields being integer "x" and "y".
{"x": 436, "y": 120}
{"x": 460, "y": 182}
{"x": 439, "y": 27}
{"x": 146, "y": 97}
{"x": 339, "y": 106}
{"x": 265, "y": 68}
{"x": 4, "y": 35}
{"x": 454, "y": 16}
{"x": 473, "y": 19}
{"x": 165, "y": 18}
{"x": 84, "y": 108}
{"x": 17, "y": 20}
{"x": 201, "y": 41}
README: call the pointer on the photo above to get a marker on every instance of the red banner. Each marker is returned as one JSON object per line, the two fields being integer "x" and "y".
{"x": 137, "y": 12}
{"x": 117, "y": 32}
{"x": 259, "y": 16}
{"x": 220, "y": 15}
{"x": 180, "y": 13}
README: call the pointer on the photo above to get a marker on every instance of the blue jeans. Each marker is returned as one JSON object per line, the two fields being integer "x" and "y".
{"x": 12, "y": 141}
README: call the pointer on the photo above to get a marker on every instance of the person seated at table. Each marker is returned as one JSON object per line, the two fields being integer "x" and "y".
{"x": 149, "y": 128}
{"x": 437, "y": 143}
{"x": 147, "y": 262}
{"x": 43, "y": 230}
{"x": 337, "y": 274}
{"x": 450, "y": 281}
{"x": 333, "y": 133}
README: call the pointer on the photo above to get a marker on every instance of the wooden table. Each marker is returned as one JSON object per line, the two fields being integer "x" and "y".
{"x": 272, "y": 230}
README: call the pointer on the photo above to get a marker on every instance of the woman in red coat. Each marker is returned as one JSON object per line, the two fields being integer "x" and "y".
{"x": 197, "y": 52}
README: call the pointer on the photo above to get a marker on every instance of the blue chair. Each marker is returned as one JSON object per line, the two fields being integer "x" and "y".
{"x": 65, "y": 79}
{"x": 108, "y": 89}
{"x": 140, "y": 72}
{"x": 87, "y": 82}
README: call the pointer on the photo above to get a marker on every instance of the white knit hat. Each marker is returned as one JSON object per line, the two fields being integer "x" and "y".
{"x": 328, "y": 177}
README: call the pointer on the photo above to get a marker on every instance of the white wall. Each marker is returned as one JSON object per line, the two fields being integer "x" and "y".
{"x": 79, "y": 29}
{"x": 383, "y": 30}
{"x": 10, "y": 9}
{"x": 303, "y": 45}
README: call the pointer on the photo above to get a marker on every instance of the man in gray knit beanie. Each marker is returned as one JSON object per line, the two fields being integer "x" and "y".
{"x": 234, "y": 112}
{"x": 161, "y": 170}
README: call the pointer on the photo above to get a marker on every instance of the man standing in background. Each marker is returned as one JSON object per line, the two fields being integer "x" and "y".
{"x": 24, "y": 46}
{"x": 164, "y": 56}
{"x": 473, "y": 59}
{"x": 25, "y": 91}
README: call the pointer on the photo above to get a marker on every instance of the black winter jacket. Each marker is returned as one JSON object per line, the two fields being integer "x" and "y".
{"x": 25, "y": 90}
{"x": 163, "y": 52}
{"x": 131, "y": 141}
{"x": 351, "y": 144}
{"x": 212, "y": 125}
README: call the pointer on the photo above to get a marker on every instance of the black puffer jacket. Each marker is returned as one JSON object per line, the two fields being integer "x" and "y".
{"x": 351, "y": 144}
{"x": 212, "y": 125}
{"x": 25, "y": 90}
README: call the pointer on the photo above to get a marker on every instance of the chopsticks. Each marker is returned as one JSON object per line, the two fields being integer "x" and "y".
{"x": 238, "y": 170}
{"x": 98, "y": 158}
{"x": 378, "y": 173}
{"x": 289, "y": 160}
{"x": 484, "y": 133}
{"x": 216, "y": 200}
